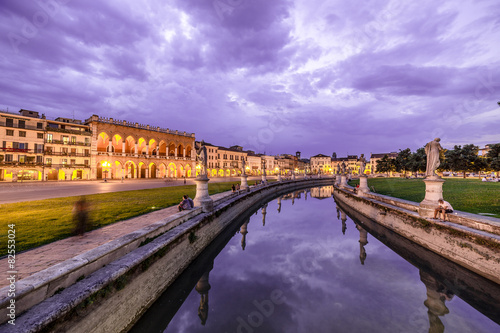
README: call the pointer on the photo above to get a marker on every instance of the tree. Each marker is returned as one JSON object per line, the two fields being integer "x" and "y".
{"x": 418, "y": 161}
{"x": 385, "y": 164}
{"x": 463, "y": 159}
{"x": 493, "y": 157}
{"x": 402, "y": 161}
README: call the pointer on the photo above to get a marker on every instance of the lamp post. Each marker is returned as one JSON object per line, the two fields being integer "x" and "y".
{"x": 105, "y": 167}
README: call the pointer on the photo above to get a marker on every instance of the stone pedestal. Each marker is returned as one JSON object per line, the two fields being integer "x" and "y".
{"x": 343, "y": 181}
{"x": 264, "y": 179}
{"x": 433, "y": 192}
{"x": 244, "y": 183}
{"x": 293, "y": 176}
{"x": 202, "y": 198}
{"x": 337, "y": 180}
{"x": 363, "y": 185}
{"x": 279, "y": 177}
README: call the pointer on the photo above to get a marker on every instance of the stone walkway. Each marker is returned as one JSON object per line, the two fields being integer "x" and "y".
{"x": 38, "y": 259}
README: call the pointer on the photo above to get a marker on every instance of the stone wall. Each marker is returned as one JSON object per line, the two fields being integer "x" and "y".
{"x": 475, "y": 250}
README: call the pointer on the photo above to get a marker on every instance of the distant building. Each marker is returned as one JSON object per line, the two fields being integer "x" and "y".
{"x": 376, "y": 157}
{"x": 321, "y": 164}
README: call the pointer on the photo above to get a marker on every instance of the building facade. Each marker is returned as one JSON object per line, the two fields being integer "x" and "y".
{"x": 126, "y": 150}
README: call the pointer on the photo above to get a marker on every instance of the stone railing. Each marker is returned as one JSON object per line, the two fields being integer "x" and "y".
{"x": 137, "y": 125}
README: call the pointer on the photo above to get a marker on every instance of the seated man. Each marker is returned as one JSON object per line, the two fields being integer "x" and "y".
{"x": 186, "y": 203}
{"x": 443, "y": 208}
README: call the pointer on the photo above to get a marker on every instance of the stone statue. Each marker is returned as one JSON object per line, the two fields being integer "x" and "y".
{"x": 343, "y": 167}
{"x": 362, "y": 163}
{"x": 338, "y": 168}
{"x": 243, "y": 166}
{"x": 201, "y": 158}
{"x": 432, "y": 150}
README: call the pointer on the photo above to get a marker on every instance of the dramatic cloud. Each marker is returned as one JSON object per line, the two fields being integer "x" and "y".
{"x": 274, "y": 76}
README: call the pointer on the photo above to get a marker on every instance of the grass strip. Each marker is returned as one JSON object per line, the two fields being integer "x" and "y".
{"x": 44, "y": 221}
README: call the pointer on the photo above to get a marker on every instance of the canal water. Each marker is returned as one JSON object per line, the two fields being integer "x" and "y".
{"x": 300, "y": 263}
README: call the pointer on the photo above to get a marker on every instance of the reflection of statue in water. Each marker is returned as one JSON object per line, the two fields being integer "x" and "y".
{"x": 244, "y": 232}
{"x": 437, "y": 294}
{"x": 201, "y": 158}
{"x": 363, "y": 240}
{"x": 338, "y": 213}
{"x": 362, "y": 163}
{"x": 343, "y": 218}
{"x": 432, "y": 150}
{"x": 279, "y": 204}
{"x": 202, "y": 287}
{"x": 264, "y": 212}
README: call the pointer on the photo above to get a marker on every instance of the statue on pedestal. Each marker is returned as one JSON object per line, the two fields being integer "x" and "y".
{"x": 201, "y": 158}
{"x": 343, "y": 167}
{"x": 362, "y": 163}
{"x": 243, "y": 166}
{"x": 432, "y": 150}
{"x": 338, "y": 169}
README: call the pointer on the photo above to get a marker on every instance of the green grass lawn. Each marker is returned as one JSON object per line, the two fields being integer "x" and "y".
{"x": 44, "y": 221}
{"x": 467, "y": 195}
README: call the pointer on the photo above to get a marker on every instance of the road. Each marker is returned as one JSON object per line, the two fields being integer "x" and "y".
{"x": 19, "y": 192}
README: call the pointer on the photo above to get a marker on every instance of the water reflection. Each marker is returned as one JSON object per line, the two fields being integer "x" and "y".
{"x": 300, "y": 275}
{"x": 202, "y": 287}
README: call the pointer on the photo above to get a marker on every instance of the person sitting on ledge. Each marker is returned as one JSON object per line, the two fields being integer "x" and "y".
{"x": 186, "y": 203}
{"x": 443, "y": 208}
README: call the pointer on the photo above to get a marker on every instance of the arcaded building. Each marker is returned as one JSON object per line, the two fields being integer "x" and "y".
{"x": 122, "y": 149}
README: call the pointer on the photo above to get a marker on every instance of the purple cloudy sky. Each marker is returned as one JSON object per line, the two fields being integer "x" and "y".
{"x": 319, "y": 76}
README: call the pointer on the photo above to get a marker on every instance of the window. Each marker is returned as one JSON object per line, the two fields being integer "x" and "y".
{"x": 65, "y": 139}
{"x": 73, "y": 151}
{"x": 86, "y": 162}
{"x": 39, "y": 125}
{"x": 49, "y": 150}
{"x": 9, "y": 122}
{"x": 39, "y": 159}
{"x": 22, "y": 134}
{"x": 64, "y": 161}
{"x": 9, "y": 158}
{"x": 21, "y": 158}
{"x": 64, "y": 151}
{"x": 87, "y": 141}
{"x": 231, "y": 157}
{"x": 10, "y": 133}
{"x": 87, "y": 152}
{"x": 39, "y": 135}
{"x": 73, "y": 140}
{"x": 72, "y": 162}
{"x": 21, "y": 124}
{"x": 48, "y": 161}
{"x": 49, "y": 138}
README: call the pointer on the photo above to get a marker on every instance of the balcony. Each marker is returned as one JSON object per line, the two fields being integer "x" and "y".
{"x": 68, "y": 131}
{"x": 68, "y": 143}
{"x": 28, "y": 127}
{"x": 53, "y": 153}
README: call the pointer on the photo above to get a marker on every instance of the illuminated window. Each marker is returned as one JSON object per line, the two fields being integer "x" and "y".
{"x": 21, "y": 158}
{"x": 64, "y": 161}
{"x": 73, "y": 140}
{"x": 73, "y": 162}
{"x": 49, "y": 138}
{"x": 65, "y": 140}
{"x": 48, "y": 161}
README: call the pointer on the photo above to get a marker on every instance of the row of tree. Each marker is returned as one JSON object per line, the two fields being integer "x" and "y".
{"x": 459, "y": 159}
